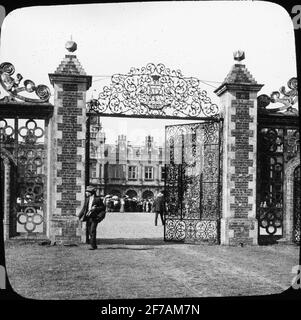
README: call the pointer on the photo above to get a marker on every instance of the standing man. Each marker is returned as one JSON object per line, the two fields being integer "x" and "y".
{"x": 158, "y": 207}
{"x": 93, "y": 212}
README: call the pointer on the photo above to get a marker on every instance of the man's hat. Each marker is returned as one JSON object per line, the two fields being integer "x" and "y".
{"x": 90, "y": 189}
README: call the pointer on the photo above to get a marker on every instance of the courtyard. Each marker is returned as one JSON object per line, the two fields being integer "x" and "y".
{"x": 133, "y": 261}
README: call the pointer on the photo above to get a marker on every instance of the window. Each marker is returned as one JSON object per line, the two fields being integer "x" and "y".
{"x": 116, "y": 171}
{"x": 93, "y": 170}
{"x": 162, "y": 173}
{"x": 148, "y": 173}
{"x": 132, "y": 172}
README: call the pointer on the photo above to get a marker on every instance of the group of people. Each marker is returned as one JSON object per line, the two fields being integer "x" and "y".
{"x": 95, "y": 208}
{"x": 127, "y": 204}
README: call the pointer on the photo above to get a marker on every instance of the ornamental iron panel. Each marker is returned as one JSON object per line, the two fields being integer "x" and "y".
{"x": 23, "y": 140}
{"x": 271, "y": 158}
{"x": 297, "y": 208}
{"x": 154, "y": 91}
{"x": 288, "y": 99}
{"x": 278, "y": 142}
{"x": 13, "y": 86}
{"x": 192, "y": 182}
{"x": 276, "y": 146}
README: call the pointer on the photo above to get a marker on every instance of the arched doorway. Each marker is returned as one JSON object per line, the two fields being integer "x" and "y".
{"x": 131, "y": 194}
{"x": 296, "y": 199}
{"x": 116, "y": 192}
{"x": 147, "y": 194}
{"x": 130, "y": 203}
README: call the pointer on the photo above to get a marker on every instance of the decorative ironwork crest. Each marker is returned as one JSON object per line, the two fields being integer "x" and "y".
{"x": 288, "y": 99}
{"x": 13, "y": 86}
{"x": 154, "y": 90}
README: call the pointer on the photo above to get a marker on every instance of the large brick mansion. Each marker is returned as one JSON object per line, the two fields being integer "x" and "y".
{"x": 124, "y": 168}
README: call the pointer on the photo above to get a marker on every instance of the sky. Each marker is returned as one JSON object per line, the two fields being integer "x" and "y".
{"x": 198, "y": 38}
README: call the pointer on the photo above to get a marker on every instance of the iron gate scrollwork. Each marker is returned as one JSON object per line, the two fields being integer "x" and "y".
{"x": 24, "y": 115}
{"x": 154, "y": 90}
{"x": 30, "y": 178}
{"x": 192, "y": 151}
{"x": 192, "y": 182}
{"x": 23, "y": 139}
{"x": 14, "y": 86}
{"x": 278, "y": 143}
{"x": 276, "y": 146}
{"x": 270, "y": 212}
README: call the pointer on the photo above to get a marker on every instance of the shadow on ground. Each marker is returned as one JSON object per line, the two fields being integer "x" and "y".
{"x": 136, "y": 241}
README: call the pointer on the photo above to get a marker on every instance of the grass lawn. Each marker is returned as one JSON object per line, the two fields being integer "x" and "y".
{"x": 147, "y": 269}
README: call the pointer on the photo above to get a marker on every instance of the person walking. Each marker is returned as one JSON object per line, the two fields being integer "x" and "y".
{"x": 93, "y": 212}
{"x": 158, "y": 207}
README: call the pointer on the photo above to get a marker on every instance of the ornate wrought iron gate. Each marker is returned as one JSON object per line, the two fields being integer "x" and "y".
{"x": 270, "y": 184}
{"x": 192, "y": 182}
{"x": 192, "y": 178}
{"x": 297, "y": 208}
{"x": 23, "y": 141}
{"x": 23, "y": 153}
{"x": 278, "y": 144}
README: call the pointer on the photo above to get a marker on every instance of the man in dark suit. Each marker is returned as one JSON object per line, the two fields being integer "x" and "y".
{"x": 158, "y": 207}
{"x": 93, "y": 212}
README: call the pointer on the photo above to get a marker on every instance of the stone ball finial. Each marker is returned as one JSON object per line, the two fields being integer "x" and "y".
{"x": 71, "y": 45}
{"x": 239, "y": 55}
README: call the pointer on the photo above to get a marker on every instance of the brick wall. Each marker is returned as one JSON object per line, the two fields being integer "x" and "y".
{"x": 241, "y": 162}
{"x": 68, "y": 157}
{"x": 241, "y": 224}
{"x": 238, "y": 97}
{"x": 68, "y": 134}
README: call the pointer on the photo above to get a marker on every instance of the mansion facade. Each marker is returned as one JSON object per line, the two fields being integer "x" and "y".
{"x": 123, "y": 168}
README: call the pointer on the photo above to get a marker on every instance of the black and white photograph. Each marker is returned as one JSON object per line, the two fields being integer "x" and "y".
{"x": 150, "y": 150}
